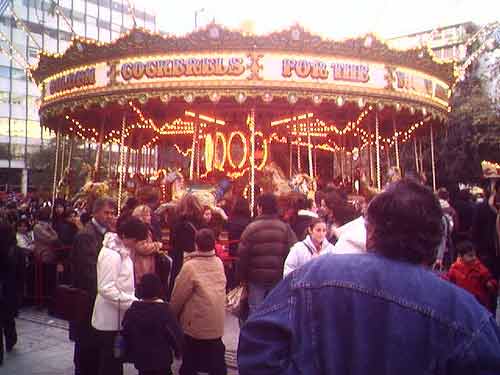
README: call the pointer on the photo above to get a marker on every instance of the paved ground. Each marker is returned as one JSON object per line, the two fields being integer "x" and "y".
{"x": 44, "y": 348}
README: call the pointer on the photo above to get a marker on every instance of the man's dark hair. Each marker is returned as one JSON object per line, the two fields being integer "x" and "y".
{"x": 205, "y": 240}
{"x": 268, "y": 203}
{"x": 443, "y": 194}
{"x": 44, "y": 213}
{"x": 240, "y": 208}
{"x": 465, "y": 247}
{"x": 101, "y": 203}
{"x": 406, "y": 222}
{"x": 302, "y": 203}
{"x": 342, "y": 211}
{"x": 132, "y": 228}
{"x": 149, "y": 287}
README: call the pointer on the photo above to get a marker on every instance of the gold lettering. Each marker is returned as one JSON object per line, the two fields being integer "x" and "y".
{"x": 236, "y": 67}
{"x": 303, "y": 68}
{"x": 220, "y": 68}
{"x": 179, "y": 68}
{"x": 288, "y": 66}
{"x": 137, "y": 70}
{"x": 151, "y": 69}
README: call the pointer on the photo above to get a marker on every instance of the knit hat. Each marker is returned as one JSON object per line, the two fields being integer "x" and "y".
{"x": 149, "y": 287}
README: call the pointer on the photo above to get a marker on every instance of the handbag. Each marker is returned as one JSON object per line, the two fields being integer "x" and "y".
{"x": 72, "y": 304}
{"x": 237, "y": 301}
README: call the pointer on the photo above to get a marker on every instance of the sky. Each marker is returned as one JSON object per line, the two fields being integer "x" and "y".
{"x": 331, "y": 18}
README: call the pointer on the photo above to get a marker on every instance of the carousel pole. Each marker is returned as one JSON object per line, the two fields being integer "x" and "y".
{"x": 377, "y": 150}
{"x": 98, "y": 156}
{"x": 198, "y": 154}
{"x": 63, "y": 153}
{"x": 433, "y": 161}
{"x": 309, "y": 152}
{"x": 251, "y": 125}
{"x": 110, "y": 159}
{"x": 342, "y": 158}
{"x": 333, "y": 164}
{"x": 396, "y": 142}
{"x": 121, "y": 166}
{"x": 417, "y": 164}
{"x": 298, "y": 149}
{"x": 193, "y": 150}
{"x": 70, "y": 155}
{"x": 127, "y": 159}
{"x": 315, "y": 158}
{"x": 421, "y": 157}
{"x": 56, "y": 167}
{"x": 290, "y": 156}
{"x": 70, "y": 152}
{"x": 370, "y": 160}
{"x": 388, "y": 156}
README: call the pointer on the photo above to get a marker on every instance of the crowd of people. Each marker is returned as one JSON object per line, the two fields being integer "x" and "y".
{"x": 150, "y": 284}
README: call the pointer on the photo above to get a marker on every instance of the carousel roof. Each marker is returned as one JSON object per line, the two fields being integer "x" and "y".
{"x": 213, "y": 38}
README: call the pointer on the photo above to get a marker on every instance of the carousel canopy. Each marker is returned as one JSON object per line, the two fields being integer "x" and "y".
{"x": 158, "y": 87}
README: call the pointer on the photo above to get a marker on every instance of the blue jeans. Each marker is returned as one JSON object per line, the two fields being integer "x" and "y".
{"x": 256, "y": 294}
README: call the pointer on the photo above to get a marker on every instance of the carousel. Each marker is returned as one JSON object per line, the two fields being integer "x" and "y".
{"x": 219, "y": 107}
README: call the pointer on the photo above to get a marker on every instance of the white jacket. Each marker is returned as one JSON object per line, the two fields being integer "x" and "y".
{"x": 302, "y": 252}
{"x": 352, "y": 239}
{"x": 115, "y": 282}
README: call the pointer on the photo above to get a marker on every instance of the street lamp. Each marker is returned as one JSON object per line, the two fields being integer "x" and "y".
{"x": 196, "y": 12}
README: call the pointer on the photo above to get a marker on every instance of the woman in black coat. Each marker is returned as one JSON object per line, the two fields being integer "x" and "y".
{"x": 239, "y": 218}
{"x": 8, "y": 287}
{"x": 188, "y": 220}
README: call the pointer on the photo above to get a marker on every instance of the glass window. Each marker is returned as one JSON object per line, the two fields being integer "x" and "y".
{"x": 103, "y": 24}
{"x": 118, "y": 6}
{"x": 104, "y": 13}
{"x": 33, "y": 52}
{"x": 92, "y": 32}
{"x": 4, "y": 71}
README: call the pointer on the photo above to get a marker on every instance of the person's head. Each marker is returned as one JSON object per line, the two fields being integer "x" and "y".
{"x": 205, "y": 240}
{"x": 466, "y": 251}
{"x": 317, "y": 230}
{"x": 404, "y": 222}
{"x": 189, "y": 208}
{"x": 240, "y": 208}
{"x": 23, "y": 226}
{"x": 339, "y": 209}
{"x": 131, "y": 231}
{"x": 130, "y": 204}
{"x": 143, "y": 213}
{"x": 149, "y": 287}
{"x": 443, "y": 194}
{"x": 44, "y": 213}
{"x": 267, "y": 204}
{"x": 71, "y": 216}
{"x": 302, "y": 203}
{"x": 59, "y": 209}
{"x": 104, "y": 211}
{"x": 207, "y": 214}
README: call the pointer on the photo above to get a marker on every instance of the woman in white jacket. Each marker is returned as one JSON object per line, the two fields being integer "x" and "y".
{"x": 315, "y": 244}
{"x": 115, "y": 288}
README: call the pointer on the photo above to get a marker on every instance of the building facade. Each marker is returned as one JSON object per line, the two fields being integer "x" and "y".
{"x": 49, "y": 30}
{"x": 447, "y": 43}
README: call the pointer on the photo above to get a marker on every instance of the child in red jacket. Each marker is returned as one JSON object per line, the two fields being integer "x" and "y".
{"x": 470, "y": 274}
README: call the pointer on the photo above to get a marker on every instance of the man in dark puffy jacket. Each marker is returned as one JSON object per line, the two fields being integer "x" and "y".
{"x": 263, "y": 248}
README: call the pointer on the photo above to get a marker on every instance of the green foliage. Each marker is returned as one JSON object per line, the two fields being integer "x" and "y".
{"x": 42, "y": 165}
{"x": 472, "y": 134}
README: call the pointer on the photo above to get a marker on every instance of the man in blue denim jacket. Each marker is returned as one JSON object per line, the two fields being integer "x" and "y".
{"x": 378, "y": 313}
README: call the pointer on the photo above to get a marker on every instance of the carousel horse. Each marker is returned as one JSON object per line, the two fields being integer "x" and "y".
{"x": 279, "y": 181}
{"x": 304, "y": 184}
